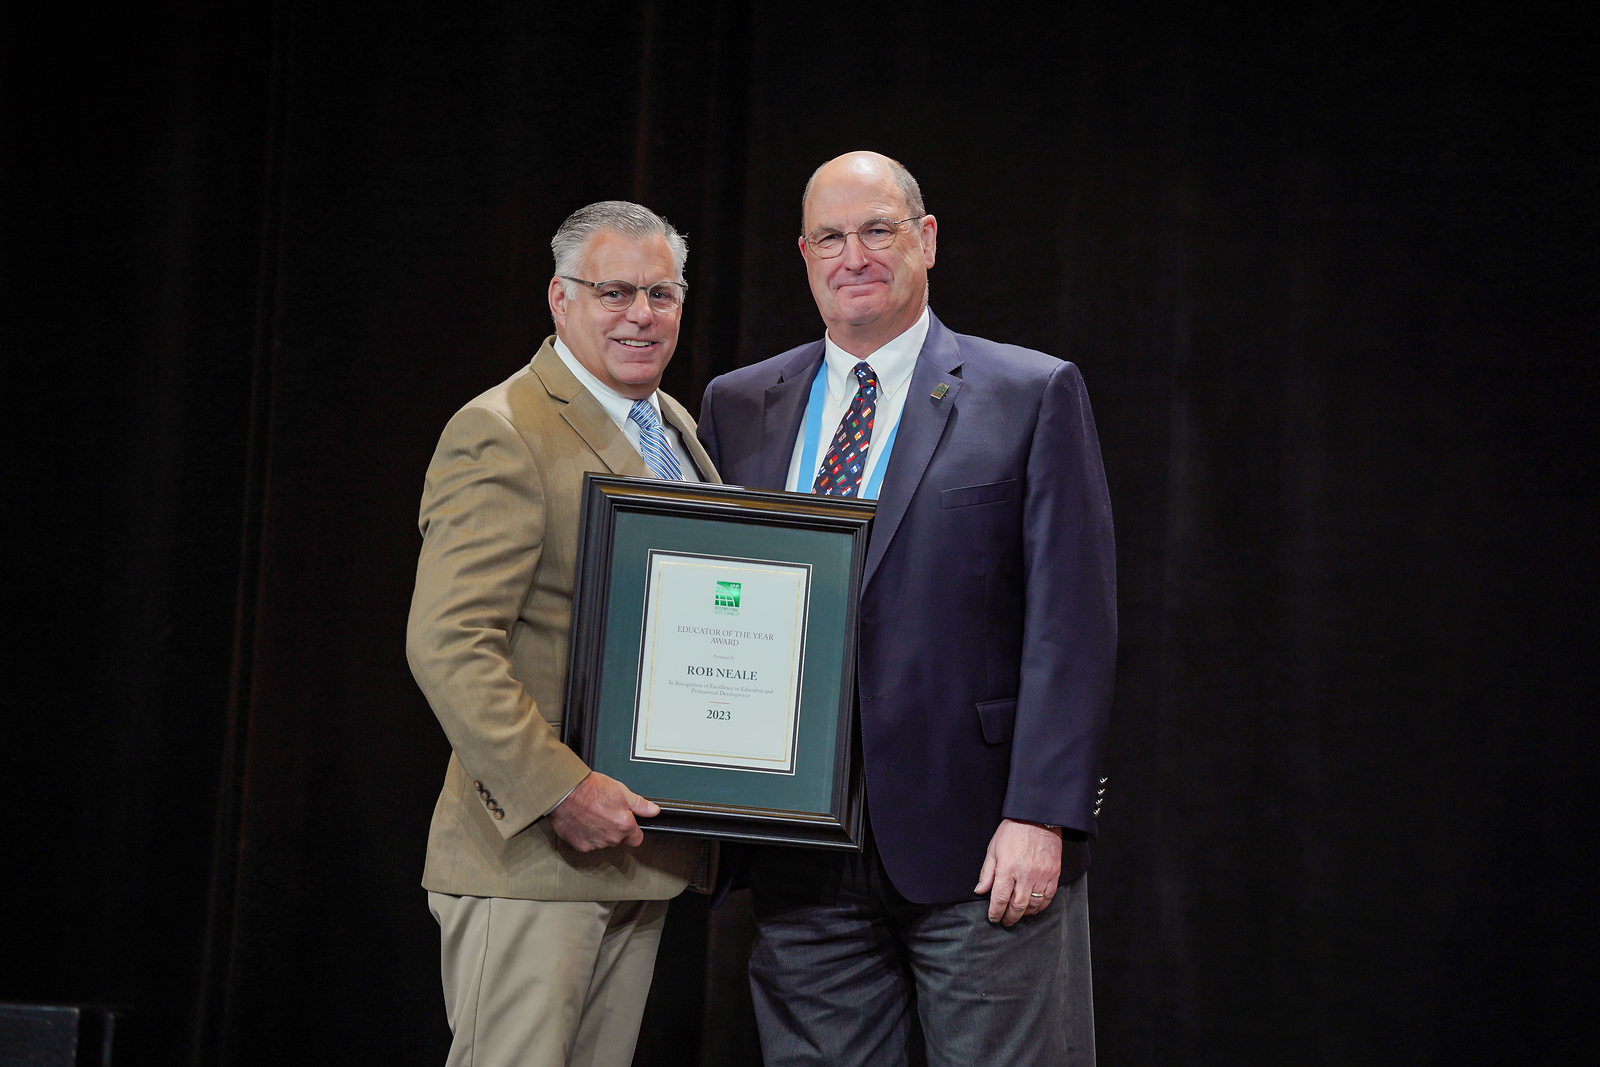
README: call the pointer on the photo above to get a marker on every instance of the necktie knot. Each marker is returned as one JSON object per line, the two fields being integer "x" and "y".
{"x": 868, "y": 380}
{"x": 654, "y": 448}
{"x": 644, "y": 413}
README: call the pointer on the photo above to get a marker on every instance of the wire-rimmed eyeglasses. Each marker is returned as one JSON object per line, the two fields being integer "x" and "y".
{"x": 619, "y": 295}
{"x": 876, "y": 234}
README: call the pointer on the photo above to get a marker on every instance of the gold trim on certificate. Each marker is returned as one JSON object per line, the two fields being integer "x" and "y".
{"x": 721, "y": 662}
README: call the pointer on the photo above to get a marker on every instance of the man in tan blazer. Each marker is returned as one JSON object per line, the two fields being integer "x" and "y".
{"x": 550, "y": 899}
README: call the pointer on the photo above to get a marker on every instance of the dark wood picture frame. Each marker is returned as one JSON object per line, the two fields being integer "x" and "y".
{"x": 749, "y": 514}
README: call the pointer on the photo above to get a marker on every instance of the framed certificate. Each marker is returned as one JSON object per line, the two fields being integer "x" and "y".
{"x": 712, "y": 666}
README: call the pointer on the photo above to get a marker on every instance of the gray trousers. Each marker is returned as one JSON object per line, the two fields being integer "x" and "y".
{"x": 846, "y": 971}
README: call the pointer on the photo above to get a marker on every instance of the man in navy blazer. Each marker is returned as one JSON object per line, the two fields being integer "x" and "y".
{"x": 988, "y": 641}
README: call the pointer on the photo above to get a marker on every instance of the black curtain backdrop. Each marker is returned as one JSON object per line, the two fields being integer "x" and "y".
{"x": 1330, "y": 275}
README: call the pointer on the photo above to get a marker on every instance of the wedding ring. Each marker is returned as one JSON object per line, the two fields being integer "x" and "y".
{"x": 1036, "y": 894}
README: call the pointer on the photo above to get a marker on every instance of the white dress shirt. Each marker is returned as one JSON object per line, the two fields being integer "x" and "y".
{"x": 893, "y": 364}
{"x": 618, "y": 406}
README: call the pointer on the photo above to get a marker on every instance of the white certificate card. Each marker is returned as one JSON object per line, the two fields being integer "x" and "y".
{"x": 720, "y": 664}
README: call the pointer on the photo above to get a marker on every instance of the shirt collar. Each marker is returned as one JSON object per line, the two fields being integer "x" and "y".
{"x": 616, "y": 405}
{"x": 893, "y": 363}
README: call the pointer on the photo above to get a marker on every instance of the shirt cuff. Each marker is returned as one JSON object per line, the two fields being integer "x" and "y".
{"x": 564, "y": 796}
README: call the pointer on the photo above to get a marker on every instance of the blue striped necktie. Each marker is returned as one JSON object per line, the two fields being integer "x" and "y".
{"x": 653, "y": 443}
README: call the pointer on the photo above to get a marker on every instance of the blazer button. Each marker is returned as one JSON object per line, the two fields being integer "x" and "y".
{"x": 497, "y": 813}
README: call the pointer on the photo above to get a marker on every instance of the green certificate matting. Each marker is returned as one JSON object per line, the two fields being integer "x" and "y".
{"x": 810, "y": 789}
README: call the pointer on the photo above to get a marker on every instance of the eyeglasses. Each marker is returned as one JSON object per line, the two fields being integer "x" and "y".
{"x": 875, "y": 234}
{"x": 618, "y": 295}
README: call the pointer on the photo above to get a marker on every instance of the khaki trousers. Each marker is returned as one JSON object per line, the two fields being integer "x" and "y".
{"x": 545, "y": 983}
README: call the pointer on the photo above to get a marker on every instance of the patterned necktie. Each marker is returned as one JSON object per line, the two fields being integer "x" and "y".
{"x": 840, "y": 473}
{"x": 653, "y": 444}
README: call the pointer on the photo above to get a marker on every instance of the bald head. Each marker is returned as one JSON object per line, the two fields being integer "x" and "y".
{"x": 869, "y": 165}
{"x": 867, "y": 296}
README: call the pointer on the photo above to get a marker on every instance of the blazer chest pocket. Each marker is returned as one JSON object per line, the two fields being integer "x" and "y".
{"x": 972, "y": 495}
{"x": 997, "y": 717}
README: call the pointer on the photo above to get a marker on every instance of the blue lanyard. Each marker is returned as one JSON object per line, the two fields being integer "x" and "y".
{"x": 808, "y": 448}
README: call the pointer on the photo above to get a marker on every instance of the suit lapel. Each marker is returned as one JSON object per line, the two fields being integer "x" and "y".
{"x": 680, "y": 421}
{"x": 784, "y": 410}
{"x": 922, "y": 423}
{"x": 586, "y": 417}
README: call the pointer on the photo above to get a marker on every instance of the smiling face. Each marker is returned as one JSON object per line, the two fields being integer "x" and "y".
{"x": 627, "y": 350}
{"x": 867, "y": 297}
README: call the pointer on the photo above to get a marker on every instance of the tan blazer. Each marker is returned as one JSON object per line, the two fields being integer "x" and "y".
{"x": 487, "y": 639}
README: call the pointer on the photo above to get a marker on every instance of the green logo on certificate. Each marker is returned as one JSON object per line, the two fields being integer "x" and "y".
{"x": 727, "y": 598}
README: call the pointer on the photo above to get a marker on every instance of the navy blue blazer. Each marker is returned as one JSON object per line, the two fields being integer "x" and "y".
{"x": 988, "y": 609}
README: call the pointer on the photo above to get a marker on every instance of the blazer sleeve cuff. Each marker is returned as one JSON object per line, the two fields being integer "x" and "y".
{"x": 1048, "y": 806}
{"x": 542, "y": 791}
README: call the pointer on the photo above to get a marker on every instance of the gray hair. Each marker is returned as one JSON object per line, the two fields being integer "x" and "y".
{"x": 910, "y": 191}
{"x": 611, "y": 216}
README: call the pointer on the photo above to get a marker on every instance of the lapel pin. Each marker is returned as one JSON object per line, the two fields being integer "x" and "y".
{"x": 939, "y": 391}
